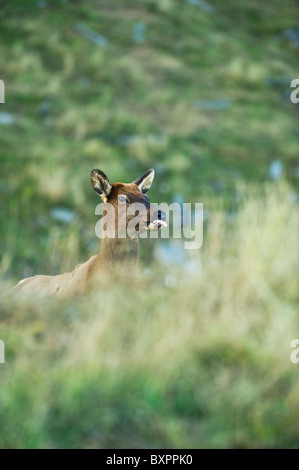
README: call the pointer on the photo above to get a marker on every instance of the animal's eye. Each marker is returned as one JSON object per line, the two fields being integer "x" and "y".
{"x": 122, "y": 199}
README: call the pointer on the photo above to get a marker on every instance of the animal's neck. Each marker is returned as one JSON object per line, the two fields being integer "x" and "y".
{"x": 117, "y": 257}
{"x": 119, "y": 250}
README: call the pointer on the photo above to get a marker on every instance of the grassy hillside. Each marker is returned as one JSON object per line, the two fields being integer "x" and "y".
{"x": 195, "y": 351}
{"x": 166, "y": 359}
{"x": 130, "y": 106}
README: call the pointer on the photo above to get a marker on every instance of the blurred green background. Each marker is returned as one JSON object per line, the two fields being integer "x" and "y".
{"x": 195, "y": 352}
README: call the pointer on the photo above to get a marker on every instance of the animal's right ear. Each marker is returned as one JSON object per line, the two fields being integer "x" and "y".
{"x": 100, "y": 183}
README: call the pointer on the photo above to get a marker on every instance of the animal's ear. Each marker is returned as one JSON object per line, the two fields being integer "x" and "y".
{"x": 145, "y": 181}
{"x": 100, "y": 183}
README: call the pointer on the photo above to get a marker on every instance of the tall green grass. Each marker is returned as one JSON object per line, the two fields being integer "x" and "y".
{"x": 183, "y": 355}
{"x": 201, "y": 361}
{"x": 134, "y": 106}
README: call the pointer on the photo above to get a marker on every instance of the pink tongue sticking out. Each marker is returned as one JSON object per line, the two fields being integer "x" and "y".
{"x": 160, "y": 223}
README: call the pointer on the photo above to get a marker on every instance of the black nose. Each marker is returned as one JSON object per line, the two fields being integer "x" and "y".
{"x": 161, "y": 215}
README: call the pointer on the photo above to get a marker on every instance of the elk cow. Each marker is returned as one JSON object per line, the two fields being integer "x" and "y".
{"x": 115, "y": 250}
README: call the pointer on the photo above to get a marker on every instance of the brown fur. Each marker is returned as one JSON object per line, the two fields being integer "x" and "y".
{"x": 113, "y": 251}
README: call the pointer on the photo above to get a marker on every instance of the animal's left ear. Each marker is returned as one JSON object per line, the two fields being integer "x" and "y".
{"x": 145, "y": 181}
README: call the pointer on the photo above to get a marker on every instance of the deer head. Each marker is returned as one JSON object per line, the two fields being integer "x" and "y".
{"x": 124, "y": 201}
